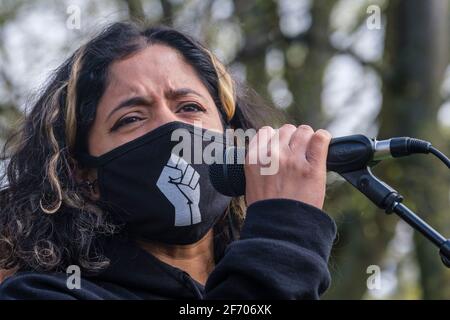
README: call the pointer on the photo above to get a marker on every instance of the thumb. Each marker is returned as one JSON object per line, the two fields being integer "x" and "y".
{"x": 171, "y": 173}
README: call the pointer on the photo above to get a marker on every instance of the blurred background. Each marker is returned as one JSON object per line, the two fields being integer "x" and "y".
{"x": 379, "y": 68}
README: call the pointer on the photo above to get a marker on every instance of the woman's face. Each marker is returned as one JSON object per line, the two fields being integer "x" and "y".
{"x": 148, "y": 89}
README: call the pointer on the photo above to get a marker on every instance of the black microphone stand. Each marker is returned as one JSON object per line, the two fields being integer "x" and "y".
{"x": 386, "y": 198}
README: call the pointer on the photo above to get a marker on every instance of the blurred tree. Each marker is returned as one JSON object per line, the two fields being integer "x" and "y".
{"x": 259, "y": 23}
{"x": 167, "y": 11}
{"x": 9, "y": 110}
{"x": 364, "y": 232}
{"x": 305, "y": 81}
{"x": 416, "y": 55}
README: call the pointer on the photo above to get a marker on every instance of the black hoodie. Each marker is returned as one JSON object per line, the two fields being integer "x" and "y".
{"x": 282, "y": 253}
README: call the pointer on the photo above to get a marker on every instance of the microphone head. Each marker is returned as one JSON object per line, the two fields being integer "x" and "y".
{"x": 228, "y": 177}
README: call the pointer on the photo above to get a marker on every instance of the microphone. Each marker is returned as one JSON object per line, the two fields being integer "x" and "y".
{"x": 345, "y": 154}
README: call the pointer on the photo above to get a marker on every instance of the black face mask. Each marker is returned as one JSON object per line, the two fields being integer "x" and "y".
{"x": 159, "y": 195}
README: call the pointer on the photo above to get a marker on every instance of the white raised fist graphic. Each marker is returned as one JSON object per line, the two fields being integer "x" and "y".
{"x": 179, "y": 182}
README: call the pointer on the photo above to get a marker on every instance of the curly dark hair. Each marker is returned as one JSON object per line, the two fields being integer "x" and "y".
{"x": 47, "y": 221}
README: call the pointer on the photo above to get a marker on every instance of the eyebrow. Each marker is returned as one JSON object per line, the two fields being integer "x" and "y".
{"x": 181, "y": 92}
{"x": 139, "y": 100}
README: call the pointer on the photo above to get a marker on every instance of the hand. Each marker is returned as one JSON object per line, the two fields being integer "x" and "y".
{"x": 179, "y": 182}
{"x": 301, "y": 173}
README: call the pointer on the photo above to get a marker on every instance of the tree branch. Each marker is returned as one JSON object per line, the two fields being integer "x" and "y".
{"x": 135, "y": 9}
{"x": 167, "y": 12}
{"x": 348, "y": 51}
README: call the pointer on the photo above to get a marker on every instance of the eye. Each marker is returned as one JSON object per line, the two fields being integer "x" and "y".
{"x": 191, "y": 107}
{"x": 125, "y": 121}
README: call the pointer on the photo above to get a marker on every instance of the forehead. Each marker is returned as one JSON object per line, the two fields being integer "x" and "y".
{"x": 159, "y": 64}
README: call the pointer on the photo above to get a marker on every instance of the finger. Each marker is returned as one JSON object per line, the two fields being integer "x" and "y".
{"x": 173, "y": 161}
{"x": 172, "y": 174}
{"x": 265, "y": 147}
{"x": 194, "y": 182}
{"x": 259, "y": 144}
{"x": 300, "y": 138}
{"x": 318, "y": 147}
{"x": 187, "y": 176}
{"x": 182, "y": 164}
{"x": 285, "y": 133}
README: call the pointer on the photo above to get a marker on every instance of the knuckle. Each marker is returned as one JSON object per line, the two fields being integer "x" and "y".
{"x": 299, "y": 138}
{"x": 265, "y": 128}
{"x": 323, "y": 135}
{"x": 305, "y": 127}
{"x": 288, "y": 127}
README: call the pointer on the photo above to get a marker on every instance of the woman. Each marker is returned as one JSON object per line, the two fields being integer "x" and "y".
{"x": 90, "y": 173}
